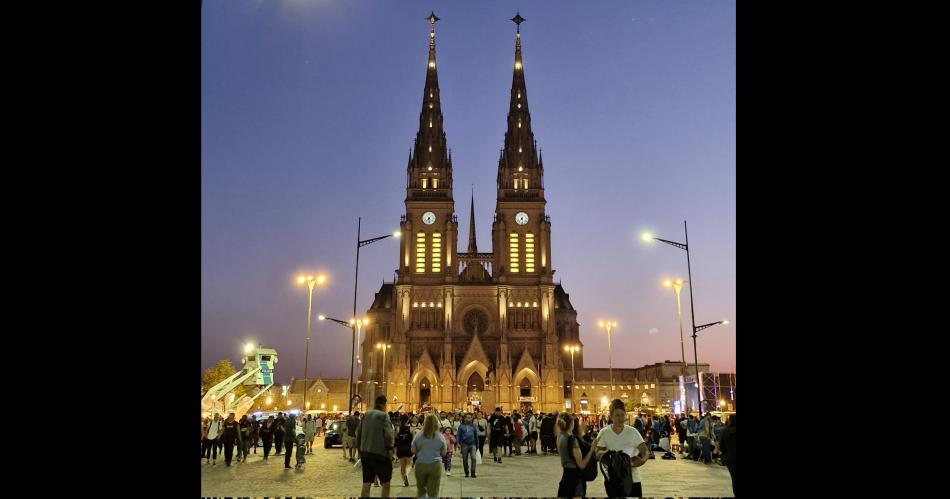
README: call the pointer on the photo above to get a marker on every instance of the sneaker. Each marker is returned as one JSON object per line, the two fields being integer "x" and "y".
{"x": 405, "y": 481}
{"x": 474, "y": 476}
{"x": 448, "y": 473}
{"x": 466, "y": 474}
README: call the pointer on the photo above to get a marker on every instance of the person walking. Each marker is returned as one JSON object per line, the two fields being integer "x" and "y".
{"x": 626, "y": 443}
{"x": 727, "y": 447}
{"x": 255, "y": 432}
{"x": 481, "y": 426}
{"x": 211, "y": 442}
{"x": 267, "y": 435}
{"x": 310, "y": 431}
{"x": 318, "y": 426}
{"x": 496, "y": 434}
{"x": 468, "y": 440}
{"x": 692, "y": 432}
{"x": 290, "y": 434}
{"x": 429, "y": 447}
{"x": 244, "y": 438}
{"x": 450, "y": 450}
{"x": 349, "y": 437}
{"x": 404, "y": 447}
{"x": 374, "y": 439}
{"x": 279, "y": 433}
{"x": 705, "y": 437}
{"x": 230, "y": 437}
{"x": 572, "y": 459}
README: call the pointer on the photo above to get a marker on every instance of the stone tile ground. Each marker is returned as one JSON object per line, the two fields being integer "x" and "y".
{"x": 327, "y": 473}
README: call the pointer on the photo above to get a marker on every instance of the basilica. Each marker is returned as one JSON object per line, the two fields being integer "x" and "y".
{"x": 468, "y": 329}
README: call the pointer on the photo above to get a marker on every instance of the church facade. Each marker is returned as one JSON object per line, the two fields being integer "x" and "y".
{"x": 467, "y": 329}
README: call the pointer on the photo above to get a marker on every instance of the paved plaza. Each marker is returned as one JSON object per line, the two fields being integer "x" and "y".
{"x": 326, "y": 473}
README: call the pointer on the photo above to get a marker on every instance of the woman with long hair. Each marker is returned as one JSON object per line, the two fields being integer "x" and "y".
{"x": 429, "y": 447}
{"x": 572, "y": 459}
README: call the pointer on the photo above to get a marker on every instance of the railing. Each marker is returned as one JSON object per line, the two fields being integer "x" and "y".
{"x": 429, "y": 193}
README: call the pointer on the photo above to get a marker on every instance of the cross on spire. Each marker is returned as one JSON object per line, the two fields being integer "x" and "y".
{"x": 518, "y": 20}
{"x": 432, "y": 19}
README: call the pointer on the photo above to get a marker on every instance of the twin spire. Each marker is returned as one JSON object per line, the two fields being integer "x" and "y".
{"x": 519, "y": 164}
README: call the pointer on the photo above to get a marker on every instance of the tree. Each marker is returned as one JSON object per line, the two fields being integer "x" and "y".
{"x": 214, "y": 375}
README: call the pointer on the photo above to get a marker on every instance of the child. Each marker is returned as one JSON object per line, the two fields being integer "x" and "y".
{"x": 449, "y": 449}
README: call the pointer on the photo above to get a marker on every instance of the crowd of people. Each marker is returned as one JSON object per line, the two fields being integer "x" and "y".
{"x": 616, "y": 443}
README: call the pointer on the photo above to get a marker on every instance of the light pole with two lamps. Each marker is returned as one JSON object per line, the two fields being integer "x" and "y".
{"x": 310, "y": 281}
{"x": 359, "y": 244}
{"x": 608, "y": 325}
{"x": 384, "y": 347}
{"x": 356, "y": 325}
{"x": 572, "y": 349}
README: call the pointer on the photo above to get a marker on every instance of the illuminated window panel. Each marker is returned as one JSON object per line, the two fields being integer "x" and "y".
{"x": 525, "y": 183}
{"x": 514, "y": 262}
{"x": 435, "y": 183}
{"x": 425, "y": 183}
{"x": 436, "y": 252}
{"x": 529, "y": 252}
{"x": 420, "y": 253}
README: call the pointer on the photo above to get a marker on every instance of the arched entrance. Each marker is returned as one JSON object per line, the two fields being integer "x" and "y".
{"x": 524, "y": 395}
{"x": 474, "y": 388}
{"x": 425, "y": 391}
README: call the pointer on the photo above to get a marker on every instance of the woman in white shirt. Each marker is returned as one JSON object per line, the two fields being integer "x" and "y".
{"x": 624, "y": 438}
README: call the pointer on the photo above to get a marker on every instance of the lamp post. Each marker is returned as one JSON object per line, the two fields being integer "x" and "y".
{"x": 359, "y": 323}
{"x": 697, "y": 329}
{"x": 311, "y": 281}
{"x": 677, "y": 286}
{"x": 608, "y": 325}
{"x": 384, "y": 346}
{"x": 572, "y": 349}
{"x": 356, "y": 282}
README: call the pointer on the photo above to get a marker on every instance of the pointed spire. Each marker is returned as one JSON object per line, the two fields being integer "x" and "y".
{"x": 429, "y": 158}
{"x": 472, "y": 246}
{"x": 519, "y": 158}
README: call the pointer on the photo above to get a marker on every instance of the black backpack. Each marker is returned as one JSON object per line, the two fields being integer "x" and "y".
{"x": 590, "y": 472}
{"x": 404, "y": 438}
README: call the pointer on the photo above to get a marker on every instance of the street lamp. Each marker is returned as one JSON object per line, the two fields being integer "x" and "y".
{"x": 310, "y": 281}
{"x": 359, "y": 323}
{"x": 356, "y": 282}
{"x": 352, "y": 326}
{"x": 677, "y": 285}
{"x": 608, "y": 325}
{"x": 384, "y": 347}
{"x": 572, "y": 349}
{"x": 697, "y": 329}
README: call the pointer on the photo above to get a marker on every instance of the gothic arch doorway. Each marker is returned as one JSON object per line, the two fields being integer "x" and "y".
{"x": 425, "y": 391}
{"x": 474, "y": 388}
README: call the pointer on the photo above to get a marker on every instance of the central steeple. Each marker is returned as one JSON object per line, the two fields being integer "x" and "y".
{"x": 430, "y": 161}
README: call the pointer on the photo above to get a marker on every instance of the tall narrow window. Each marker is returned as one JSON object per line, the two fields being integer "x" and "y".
{"x": 425, "y": 183}
{"x": 517, "y": 183}
{"x": 514, "y": 261}
{"x": 436, "y": 252}
{"x": 525, "y": 183}
{"x": 435, "y": 183}
{"x": 529, "y": 252}
{"x": 420, "y": 253}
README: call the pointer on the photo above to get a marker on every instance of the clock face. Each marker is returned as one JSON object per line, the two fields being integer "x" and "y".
{"x": 428, "y": 218}
{"x": 521, "y": 218}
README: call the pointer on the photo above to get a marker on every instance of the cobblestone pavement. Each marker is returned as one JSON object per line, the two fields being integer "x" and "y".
{"x": 327, "y": 473}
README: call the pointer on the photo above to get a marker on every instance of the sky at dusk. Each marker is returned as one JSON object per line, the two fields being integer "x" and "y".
{"x": 309, "y": 110}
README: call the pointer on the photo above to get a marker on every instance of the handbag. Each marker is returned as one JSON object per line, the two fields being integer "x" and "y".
{"x": 478, "y": 457}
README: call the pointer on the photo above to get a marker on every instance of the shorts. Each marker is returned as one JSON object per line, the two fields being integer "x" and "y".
{"x": 310, "y": 437}
{"x": 497, "y": 440}
{"x": 533, "y": 435}
{"x": 374, "y": 466}
{"x": 349, "y": 442}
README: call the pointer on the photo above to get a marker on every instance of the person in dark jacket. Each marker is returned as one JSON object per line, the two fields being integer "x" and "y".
{"x": 267, "y": 435}
{"x": 244, "y": 438}
{"x": 230, "y": 437}
{"x": 727, "y": 446}
{"x": 290, "y": 434}
{"x": 279, "y": 433}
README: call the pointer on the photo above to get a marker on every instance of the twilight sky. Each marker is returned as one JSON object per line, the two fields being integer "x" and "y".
{"x": 309, "y": 110}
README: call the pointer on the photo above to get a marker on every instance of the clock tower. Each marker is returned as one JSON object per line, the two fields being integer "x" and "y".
{"x": 429, "y": 227}
{"x": 521, "y": 233}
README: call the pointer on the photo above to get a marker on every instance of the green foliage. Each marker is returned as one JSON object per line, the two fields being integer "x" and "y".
{"x": 214, "y": 375}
